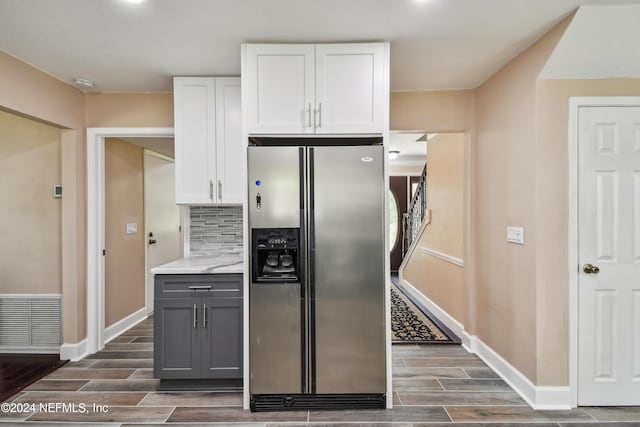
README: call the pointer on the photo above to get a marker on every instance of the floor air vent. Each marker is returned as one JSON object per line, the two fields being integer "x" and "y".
{"x": 30, "y": 323}
{"x": 295, "y": 402}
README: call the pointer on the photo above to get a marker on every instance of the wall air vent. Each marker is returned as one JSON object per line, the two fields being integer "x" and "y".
{"x": 30, "y": 323}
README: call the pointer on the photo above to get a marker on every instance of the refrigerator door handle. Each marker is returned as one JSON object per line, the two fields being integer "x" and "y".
{"x": 311, "y": 275}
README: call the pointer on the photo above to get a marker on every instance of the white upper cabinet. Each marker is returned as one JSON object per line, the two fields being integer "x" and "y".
{"x": 229, "y": 165}
{"x": 208, "y": 149}
{"x": 194, "y": 121}
{"x": 315, "y": 89}
{"x": 349, "y": 88}
{"x": 281, "y": 88}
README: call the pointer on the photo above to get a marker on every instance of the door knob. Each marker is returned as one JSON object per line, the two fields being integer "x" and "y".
{"x": 152, "y": 241}
{"x": 590, "y": 269}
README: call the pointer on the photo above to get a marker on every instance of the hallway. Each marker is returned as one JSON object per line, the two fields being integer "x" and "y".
{"x": 440, "y": 384}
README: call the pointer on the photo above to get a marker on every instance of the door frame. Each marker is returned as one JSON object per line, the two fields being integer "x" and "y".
{"x": 575, "y": 103}
{"x": 95, "y": 309}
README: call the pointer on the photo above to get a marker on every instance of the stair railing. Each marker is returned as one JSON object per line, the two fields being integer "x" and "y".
{"x": 412, "y": 220}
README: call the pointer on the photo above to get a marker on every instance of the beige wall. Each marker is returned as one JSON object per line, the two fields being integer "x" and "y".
{"x": 124, "y": 203}
{"x": 30, "y": 92}
{"x": 30, "y": 217}
{"x": 437, "y": 111}
{"x": 504, "y": 193}
{"x": 443, "y": 281}
{"x": 552, "y": 216}
{"x": 129, "y": 110}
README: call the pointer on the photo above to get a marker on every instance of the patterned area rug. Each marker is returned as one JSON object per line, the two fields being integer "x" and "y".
{"x": 410, "y": 325}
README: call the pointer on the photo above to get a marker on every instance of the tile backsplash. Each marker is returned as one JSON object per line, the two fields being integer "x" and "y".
{"x": 216, "y": 230}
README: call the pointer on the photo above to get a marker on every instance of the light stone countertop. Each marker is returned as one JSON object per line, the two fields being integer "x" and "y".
{"x": 203, "y": 265}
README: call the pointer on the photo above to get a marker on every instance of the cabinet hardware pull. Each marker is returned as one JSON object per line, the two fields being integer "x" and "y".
{"x": 204, "y": 315}
{"x": 220, "y": 189}
{"x": 309, "y": 116}
{"x": 200, "y": 287}
{"x": 195, "y": 316}
{"x": 320, "y": 115}
{"x": 211, "y": 189}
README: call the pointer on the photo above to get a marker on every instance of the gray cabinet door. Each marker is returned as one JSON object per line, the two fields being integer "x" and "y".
{"x": 177, "y": 338}
{"x": 221, "y": 338}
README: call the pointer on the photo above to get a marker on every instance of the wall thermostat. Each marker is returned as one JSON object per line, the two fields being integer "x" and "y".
{"x": 57, "y": 191}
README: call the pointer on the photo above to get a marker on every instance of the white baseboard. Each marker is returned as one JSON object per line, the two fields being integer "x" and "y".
{"x": 74, "y": 352}
{"x": 538, "y": 397}
{"x": 122, "y": 325}
{"x": 448, "y": 321}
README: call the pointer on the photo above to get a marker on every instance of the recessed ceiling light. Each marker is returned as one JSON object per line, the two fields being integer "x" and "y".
{"x": 134, "y": 1}
{"x": 393, "y": 154}
{"x": 85, "y": 84}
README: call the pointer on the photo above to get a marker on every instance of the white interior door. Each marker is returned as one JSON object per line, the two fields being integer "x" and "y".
{"x": 609, "y": 240}
{"x": 162, "y": 224}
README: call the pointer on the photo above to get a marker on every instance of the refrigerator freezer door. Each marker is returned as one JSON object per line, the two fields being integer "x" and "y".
{"x": 274, "y": 187}
{"x": 275, "y": 338}
{"x": 347, "y": 259}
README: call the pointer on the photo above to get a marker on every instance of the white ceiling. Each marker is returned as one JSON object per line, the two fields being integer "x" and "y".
{"x": 411, "y": 147}
{"x": 435, "y": 44}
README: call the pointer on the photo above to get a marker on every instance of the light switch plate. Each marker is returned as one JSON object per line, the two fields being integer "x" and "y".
{"x": 132, "y": 228}
{"x": 515, "y": 235}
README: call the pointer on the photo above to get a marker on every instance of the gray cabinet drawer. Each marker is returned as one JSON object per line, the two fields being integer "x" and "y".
{"x": 206, "y": 285}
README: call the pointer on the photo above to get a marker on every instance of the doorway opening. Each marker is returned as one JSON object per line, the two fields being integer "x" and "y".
{"x": 104, "y": 319}
{"x": 142, "y": 225}
{"x": 407, "y": 161}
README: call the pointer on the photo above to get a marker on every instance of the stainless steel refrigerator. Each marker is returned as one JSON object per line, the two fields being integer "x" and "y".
{"x": 317, "y": 306}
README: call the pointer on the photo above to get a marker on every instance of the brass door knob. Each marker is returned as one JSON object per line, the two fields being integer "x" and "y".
{"x": 590, "y": 269}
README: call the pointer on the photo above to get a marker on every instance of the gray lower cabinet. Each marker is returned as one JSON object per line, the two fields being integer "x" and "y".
{"x": 198, "y": 326}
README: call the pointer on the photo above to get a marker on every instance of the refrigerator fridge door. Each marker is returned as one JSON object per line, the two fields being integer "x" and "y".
{"x": 276, "y": 309}
{"x": 346, "y": 265}
{"x": 274, "y": 187}
{"x": 275, "y": 336}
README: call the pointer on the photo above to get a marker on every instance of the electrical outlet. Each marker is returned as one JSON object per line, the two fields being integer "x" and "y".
{"x": 515, "y": 235}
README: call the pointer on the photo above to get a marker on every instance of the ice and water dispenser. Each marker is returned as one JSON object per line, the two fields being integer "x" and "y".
{"x": 276, "y": 255}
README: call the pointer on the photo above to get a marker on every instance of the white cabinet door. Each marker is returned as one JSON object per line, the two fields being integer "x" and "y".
{"x": 280, "y": 82}
{"x": 349, "y": 88}
{"x": 229, "y": 165}
{"x": 194, "y": 121}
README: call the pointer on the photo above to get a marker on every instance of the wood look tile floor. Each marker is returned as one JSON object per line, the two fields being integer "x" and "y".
{"x": 434, "y": 385}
